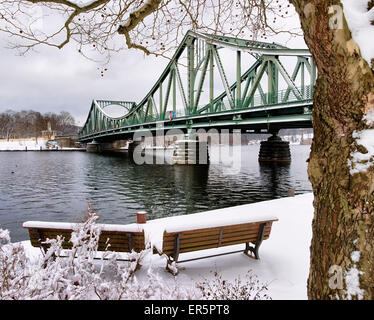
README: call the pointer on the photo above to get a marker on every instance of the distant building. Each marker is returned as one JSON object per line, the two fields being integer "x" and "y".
{"x": 49, "y": 133}
{"x": 67, "y": 141}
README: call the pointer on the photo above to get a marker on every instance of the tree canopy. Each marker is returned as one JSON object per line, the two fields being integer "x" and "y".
{"x": 29, "y": 123}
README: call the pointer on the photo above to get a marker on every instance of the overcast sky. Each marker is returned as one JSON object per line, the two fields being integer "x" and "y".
{"x": 53, "y": 80}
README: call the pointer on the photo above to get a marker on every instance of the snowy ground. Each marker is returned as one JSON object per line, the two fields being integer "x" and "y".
{"x": 22, "y": 145}
{"x": 284, "y": 262}
{"x": 30, "y": 145}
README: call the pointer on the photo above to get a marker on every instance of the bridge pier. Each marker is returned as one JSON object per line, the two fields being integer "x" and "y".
{"x": 274, "y": 150}
{"x": 191, "y": 151}
{"x": 93, "y": 147}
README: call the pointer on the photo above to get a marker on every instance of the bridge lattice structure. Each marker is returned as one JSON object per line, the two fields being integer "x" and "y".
{"x": 275, "y": 92}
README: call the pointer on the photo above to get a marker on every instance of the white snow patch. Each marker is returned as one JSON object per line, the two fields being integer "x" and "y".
{"x": 4, "y": 236}
{"x": 369, "y": 118}
{"x": 66, "y": 225}
{"x": 360, "y": 162}
{"x": 355, "y": 256}
{"x": 359, "y": 22}
{"x": 29, "y": 144}
{"x": 352, "y": 280}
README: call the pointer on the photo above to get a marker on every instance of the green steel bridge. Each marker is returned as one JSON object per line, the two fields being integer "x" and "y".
{"x": 275, "y": 91}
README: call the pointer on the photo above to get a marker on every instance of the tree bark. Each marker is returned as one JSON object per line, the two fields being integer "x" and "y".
{"x": 342, "y": 248}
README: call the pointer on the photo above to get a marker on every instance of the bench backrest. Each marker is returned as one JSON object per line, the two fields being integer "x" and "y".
{"x": 119, "y": 241}
{"x": 207, "y": 238}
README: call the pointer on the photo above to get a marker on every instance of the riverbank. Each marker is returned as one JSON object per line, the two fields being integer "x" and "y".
{"x": 23, "y": 144}
{"x": 284, "y": 263}
{"x": 39, "y": 144}
{"x": 46, "y": 150}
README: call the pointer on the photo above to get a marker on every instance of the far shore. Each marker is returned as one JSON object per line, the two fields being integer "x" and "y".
{"x": 42, "y": 150}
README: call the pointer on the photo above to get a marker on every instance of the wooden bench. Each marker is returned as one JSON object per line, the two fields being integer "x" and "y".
{"x": 116, "y": 236}
{"x": 252, "y": 234}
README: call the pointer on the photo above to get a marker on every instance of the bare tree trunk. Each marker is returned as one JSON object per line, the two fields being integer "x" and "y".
{"x": 342, "y": 249}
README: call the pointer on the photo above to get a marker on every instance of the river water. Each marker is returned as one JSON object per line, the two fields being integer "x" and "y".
{"x": 57, "y": 186}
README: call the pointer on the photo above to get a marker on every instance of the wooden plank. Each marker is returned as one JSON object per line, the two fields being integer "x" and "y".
{"x": 241, "y": 235}
{"x": 119, "y": 243}
{"x": 102, "y": 240}
{"x": 228, "y": 227}
{"x": 34, "y": 232}
{"x": 67, "y": 235}
{"x": 213, "y": 238}
{"x": 216, "y": 231}
{"x": 205, "y": 233}
{"x": 209, "y": 238}
{"x": 118, "y": 248}
{"x": 214, "y": 243}
{"x": 71, "y": 230}
{"x": 204, "y": 241}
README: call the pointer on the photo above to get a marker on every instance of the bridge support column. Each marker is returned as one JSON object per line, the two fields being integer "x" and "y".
{"x": 93, "y": 147}
{"x": 191, "y": 151}
{"x": 274, "y": 150}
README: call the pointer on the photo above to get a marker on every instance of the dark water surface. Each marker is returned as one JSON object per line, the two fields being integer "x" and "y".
{"x": 57, "y": 186}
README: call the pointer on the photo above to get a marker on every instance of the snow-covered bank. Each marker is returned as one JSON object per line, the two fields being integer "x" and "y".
{"x": 284, "y": 263}
{"x": 31, "y": 145}
{"x": 22, "y": 144}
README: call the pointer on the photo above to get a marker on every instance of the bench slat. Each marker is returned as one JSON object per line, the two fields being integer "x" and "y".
{"x": 118, "y": 241}
{"x": 212, "y": 236}
{"x": 213, "y": 241}
{"x": 228, "y": 227}
{"x": 209, "y": 238}
{"x": 214, "y": 231}
{"x": 206, "y": 245}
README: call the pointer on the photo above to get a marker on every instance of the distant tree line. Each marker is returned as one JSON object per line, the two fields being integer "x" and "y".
{"x": 29, "y": 123}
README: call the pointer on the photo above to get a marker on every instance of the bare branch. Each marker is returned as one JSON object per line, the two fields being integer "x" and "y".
{"x": 152, "y": 26}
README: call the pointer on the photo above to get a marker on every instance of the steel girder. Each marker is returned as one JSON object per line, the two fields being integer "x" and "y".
{"x": 236, "y": 101}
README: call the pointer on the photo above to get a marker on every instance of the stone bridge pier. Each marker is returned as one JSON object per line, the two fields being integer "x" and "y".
{"x": 191, "y": 150}
{"x": 274, "y": 150}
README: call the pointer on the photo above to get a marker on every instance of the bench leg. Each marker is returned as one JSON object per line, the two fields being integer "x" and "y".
{"x": 253, "y": 250}
{"x": 176, "y": 246}
{"x": 171, "y": 266}
{"x": 171, "y": 261}
{"x": 256, "y": 248}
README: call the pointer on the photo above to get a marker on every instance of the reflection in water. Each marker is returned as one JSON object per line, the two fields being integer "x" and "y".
{"x": 53, "y": 186}
{"x": 276, "y": 177}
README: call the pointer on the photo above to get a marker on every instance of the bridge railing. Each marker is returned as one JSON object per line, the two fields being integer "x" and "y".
{"x": 260, "y": 100}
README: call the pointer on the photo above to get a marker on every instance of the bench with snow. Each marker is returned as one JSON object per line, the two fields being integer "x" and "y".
{"x": 120, "y": 238}
{"x": 183, "y": 240}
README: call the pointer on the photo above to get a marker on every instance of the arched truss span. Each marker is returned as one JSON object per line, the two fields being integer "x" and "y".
{"x": 178, "y": 100}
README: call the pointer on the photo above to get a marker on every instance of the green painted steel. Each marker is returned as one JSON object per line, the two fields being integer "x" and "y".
{"x": 244, "y": 104}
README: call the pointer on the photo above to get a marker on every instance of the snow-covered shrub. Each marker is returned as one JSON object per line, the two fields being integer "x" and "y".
{"x": 152, "y": 288}
{"x": 75, "y": 274}
{"x": 13, "y": 267}
{"x": 78, "y": 274}
{"x": 220, "y": 289}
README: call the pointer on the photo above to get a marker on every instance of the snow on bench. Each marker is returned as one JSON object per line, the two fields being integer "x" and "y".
{"x": 172, "y": 236}
{"x": 120, "y": 238}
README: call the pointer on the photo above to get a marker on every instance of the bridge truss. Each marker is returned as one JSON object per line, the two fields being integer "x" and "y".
{"x": 275, "y": 92}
